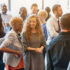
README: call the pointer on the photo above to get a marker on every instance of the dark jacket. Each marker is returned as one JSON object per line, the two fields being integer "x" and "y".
{"x": 59, "y": 52}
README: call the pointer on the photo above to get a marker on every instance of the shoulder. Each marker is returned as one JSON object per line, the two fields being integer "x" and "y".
{"x": 50, "y": 21}
{"x": 10, "y": 34}
{"x": 24, "y": 34}
{"x": 54, "y": 41}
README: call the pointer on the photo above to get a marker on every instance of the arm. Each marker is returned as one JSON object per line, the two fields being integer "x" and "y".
{"x": 26, "y": 43}
{"x": 51, "y": 29}
{"x": 6, "y": 44}
{"x": 43, "y": 45}
{"x": 4, "y": 49}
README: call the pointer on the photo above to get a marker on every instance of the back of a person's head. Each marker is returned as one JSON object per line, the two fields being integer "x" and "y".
{"x": 0, "y": 19}
{"x": 55, "y": 7}
{"x": 65, "y": 21}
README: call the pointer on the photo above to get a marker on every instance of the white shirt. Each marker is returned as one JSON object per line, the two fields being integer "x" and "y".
{"x": 52, "y": 28}
{"x": 6, "y": 20}
{"x": 11, "y": 41}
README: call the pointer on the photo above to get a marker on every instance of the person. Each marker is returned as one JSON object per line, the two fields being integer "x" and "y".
{"x": 53, "y": 27}
{"x": 13, "y": 46}
{"x": 2, "y": 34}
{"x": 59, "y": 47}
{"x": 34, "y": 42}
{"x": 48, "y": 10}
{"x": 23, "y": 13}
{"x": 42, "y": 16}
{"x": 34, "y": 8}
{"x": 6, "y": 18}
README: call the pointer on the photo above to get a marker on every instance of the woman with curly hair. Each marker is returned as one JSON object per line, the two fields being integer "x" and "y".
{"x": 12, "y": 46}
{"x": 34, "y": 42}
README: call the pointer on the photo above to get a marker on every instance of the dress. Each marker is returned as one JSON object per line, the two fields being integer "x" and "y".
{"x": 34, "y": 60}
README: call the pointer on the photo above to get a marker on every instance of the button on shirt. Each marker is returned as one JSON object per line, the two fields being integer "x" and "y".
{"x": 52, "y": 28}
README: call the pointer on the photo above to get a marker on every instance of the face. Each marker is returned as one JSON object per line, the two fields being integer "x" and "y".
{"x": 22, "y": 13}
{"x": 59, "y": 12}
{"x": 18, "y": 28}
{"x": 34, "y": 9}
{"x": 32, "y": 23}
{"x": 4, "y": 9}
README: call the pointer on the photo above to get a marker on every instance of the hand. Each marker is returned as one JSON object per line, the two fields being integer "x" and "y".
{"x": 39, "y": 50}
{"x": 19, "y": 53}
{"x": 16, "y": 55}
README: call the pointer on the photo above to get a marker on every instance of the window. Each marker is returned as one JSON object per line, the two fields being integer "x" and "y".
{"x": 64, "y": 3}
{"x": 17, "y": 4}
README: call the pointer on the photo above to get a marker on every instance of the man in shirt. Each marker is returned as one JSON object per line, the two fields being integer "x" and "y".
{"x": 52, "y": 24}
{"x": 6, "y": 18}
{"x": 59, "y": 47}
{"x": 34, "y": 9}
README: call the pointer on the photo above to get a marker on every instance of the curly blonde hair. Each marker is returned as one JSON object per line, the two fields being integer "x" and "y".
{"x": 17, "y": 24}
{"x": 38, "y": 27}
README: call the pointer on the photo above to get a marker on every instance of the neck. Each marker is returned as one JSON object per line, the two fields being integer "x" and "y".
{"x": 57, "y": 16}
{"x": 33, "y": 30}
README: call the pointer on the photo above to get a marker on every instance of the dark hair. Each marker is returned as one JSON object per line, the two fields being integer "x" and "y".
{"x": 65, "y": 21}
{"x": 55, "y": 7}
{"x": 1, "y": 26}
{"x": 0, "y": 21}
{"x": 48, "y": 9}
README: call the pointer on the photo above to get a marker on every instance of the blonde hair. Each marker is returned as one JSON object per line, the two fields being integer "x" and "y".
{"x": 38, "y": 27}
{"x": 16, "y": 23}
{"x": 43, "y": 13}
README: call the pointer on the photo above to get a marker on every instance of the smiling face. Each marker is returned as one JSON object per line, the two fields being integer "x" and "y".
{"x": 33, "y": 23}
{"x": 17, "y": 24}
{"x": 4, "y": 9}
{"x": 34, "y": 9}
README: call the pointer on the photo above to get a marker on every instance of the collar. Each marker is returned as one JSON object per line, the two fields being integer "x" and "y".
{"x": 55, "y": 18}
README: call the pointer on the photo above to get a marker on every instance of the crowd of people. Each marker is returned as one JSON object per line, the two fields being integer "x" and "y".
{"x": 26, "y": 40}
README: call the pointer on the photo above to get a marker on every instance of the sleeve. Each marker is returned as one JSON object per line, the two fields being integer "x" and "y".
{"x": 43, "y": 41}
{"x": 49, "y": 61}
{"x": 9, "y": 39}
{"x": 25, "y": 42}
{"x": 51, "y": 29}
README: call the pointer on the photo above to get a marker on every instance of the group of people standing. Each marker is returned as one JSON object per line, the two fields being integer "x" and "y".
{"x": 39, "y": 33}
